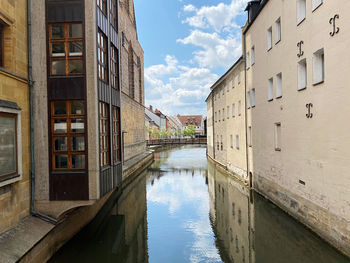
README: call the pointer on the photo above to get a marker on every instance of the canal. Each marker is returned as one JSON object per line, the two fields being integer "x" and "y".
{"x": 182, "y": 209}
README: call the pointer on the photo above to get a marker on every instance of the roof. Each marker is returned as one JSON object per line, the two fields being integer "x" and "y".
{"x": 262, "y": 4}
{"x": 186, "y": 120}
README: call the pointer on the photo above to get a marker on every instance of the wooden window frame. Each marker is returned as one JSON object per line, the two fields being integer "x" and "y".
{"x": 104, "y": 135}
{"x": 116, "y": 135}
{"x": 114, "y": 68}
{"x": 102, "y": 52}
{"x": 102, "y": 4}
{"x": 68, "y": 134}
{"x": 11, "y": 175}
{"x": 66, "y": 40}
{"x": 113, "y": 13}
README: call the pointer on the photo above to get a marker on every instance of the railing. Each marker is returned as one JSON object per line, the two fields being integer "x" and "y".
{"x": 177, "y": 141}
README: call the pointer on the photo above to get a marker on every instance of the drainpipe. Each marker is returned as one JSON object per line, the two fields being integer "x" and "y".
{"x": 31, "y": 95}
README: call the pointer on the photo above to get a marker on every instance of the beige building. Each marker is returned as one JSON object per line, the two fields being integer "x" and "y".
{"x": 296, "y": 88}
{"x": 132, "y": 82}
{"x": 226, "y": 121}
{"x": 14, "y": 114}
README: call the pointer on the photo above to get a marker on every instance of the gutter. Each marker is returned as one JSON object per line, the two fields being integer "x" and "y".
{"x": 31, "y": 96}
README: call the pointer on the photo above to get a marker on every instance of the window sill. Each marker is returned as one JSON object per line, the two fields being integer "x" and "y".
{"x": 269, "y": 49}
{"x": 253, "y": 64}
{"x": 318, "y": 83}
{"x": 298, "y": 23}
{"x": 277, "y": 149}
{"x": 253, "y": 106}
{"x": 279, "y": 97}
{"x": 10, "y": 179}
{"x": 302, "y": 89}
{"x": 250, "y": 146}
{"x": 270, "y": 100}
{"x": 277, "y": 42}
{"x": 315, "y": 8}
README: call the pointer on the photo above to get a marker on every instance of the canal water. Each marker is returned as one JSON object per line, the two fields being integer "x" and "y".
{"x": 181, "y": 209}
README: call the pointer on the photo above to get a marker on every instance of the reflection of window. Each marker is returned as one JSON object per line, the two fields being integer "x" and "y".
{"x": 8, "y": 145}
{"x": 104, "y": 134}
{"x": 114, "y": 67}
{"x": 66, "y": 49}
{"x": 102, "y": 4}
{"x": 116, "y": 134}
{"x": 102, "y": 56}
{"x": 113, "y": 13}
{"x": 68, "y": 135}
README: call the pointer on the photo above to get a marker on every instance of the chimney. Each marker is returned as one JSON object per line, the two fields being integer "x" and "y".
{"x": 150, "y": 107}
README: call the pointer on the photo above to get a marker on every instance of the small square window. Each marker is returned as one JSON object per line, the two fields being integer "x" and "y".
{"x": 278, "y": 136}
{"x": 269, "y": 38}
{"x": 239, "y": 108}
{"x": 237, "y": 142}
{"x": 316, "y": 3}
{"x": 301, "y": 10}
{"x": 318, "y": 70}
{"x": 302, "y": 74}
{"x": 279, "y": 85}
{"x": 270, "y": 90}
{"x": 278, "y": 30}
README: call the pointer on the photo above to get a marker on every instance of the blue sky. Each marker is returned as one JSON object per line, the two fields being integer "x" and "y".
{"x": 188, "y": 45}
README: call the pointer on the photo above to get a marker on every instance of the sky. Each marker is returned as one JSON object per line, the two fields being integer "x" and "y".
{"x": 188, "y": 45}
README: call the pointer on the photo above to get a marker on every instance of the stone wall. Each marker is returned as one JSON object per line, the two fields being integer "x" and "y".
{"x": 15, "y": 196}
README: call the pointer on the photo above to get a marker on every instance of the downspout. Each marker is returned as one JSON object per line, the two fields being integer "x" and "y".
{"x": 31, "y": 96}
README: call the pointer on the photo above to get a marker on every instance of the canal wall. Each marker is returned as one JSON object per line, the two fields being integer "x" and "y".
{"x": 333, "y": 229}
{"x": 35, "y": 240}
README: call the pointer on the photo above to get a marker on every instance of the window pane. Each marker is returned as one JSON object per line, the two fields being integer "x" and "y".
{"x": 59, "y": 108}
{"x": 78, "y": 144}
{"x": 58, "y": 67}
{"x": 58, "y": 49}
{"x": 60, "y": 126}
{"x": 61, "y": 161}
{"x": 57, "y": 31}
{"x": 60, "y": 143}
{"x": 75, "y": 66}
{"x": 7, "y": 145}
{"x": 77, "y": 125}
{"x": 78, "y": 161}
{"x": 77, "y": 107}
{"x": 76, "y": 48}
{"x": 75, "y": 31}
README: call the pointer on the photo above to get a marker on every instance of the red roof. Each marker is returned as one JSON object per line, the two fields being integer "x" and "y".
{"x": 195, "y": 120}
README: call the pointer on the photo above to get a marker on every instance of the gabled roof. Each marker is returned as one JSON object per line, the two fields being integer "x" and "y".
{"x": 186, "y": 120}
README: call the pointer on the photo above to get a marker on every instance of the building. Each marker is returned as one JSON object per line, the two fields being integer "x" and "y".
{"x": 15, "y": 154}
{"x": 132, "y": 82}
{"x": 158, "y": 119}
{"x": 174, "y": 125}
{"x": 194, "y": 120}
{"x": 299, "y": 141}
{"x": 77, "y": 131}
{"x": 226, "y": 121}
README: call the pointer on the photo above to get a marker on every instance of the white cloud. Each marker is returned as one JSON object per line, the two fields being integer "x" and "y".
{"x": 215, "y": 50}
{"x": 218, "y": 17}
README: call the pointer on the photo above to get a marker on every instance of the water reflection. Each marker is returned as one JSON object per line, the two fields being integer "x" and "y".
{"x": 183, "y": 209}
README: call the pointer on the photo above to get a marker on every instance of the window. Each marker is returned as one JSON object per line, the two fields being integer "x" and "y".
{"x": 219, "y": 115}
{"x": 302, "y": 74}
{"x": 223, "y": 91}
{"x": 218, "y": 143}
{"x": 253, "y": 56}
{"x": 301, "y": 10}
{"x": 10, "y": 145}
{"x": 239, "y": 108}
{"x": 318, "y": 71}
{"x": 231, "y": 141}
{"x": 237, "y": 142}
{"x": 223, "y": 114}
{"x": 239, "y": 77}
{"x": 316, "y": 3}
{"x": 278, "y": 30}
{"x": 278, "y": 136}
{"x": 215, "y": 117}
{"x": 247, "y": 60}
{"x": 102, "y": 56}
{"x": 68, "y": 135}
{"x": 270, "y": 90}
{"x": 233, "y": 110}
{"x": 250, "y": 136}
{"x": 233, "y": 82}
{"x": 279, "y": 85}
{"x": 269, "y": 38}
{"x": 116, "y": 135}
{"x": 253, "y": 97}
{"x": 228, "y": 87}
{"x": 66, "y": 49}
{"x": 102, "y": 4}
{"x": 228, "y": 112}
{"x": 113, "y": 13}
{"x": 222, "y": 144}
{"x": 248, "y": 99}
{"x": 104, "y": 135}
{"x": 114, "y": 67}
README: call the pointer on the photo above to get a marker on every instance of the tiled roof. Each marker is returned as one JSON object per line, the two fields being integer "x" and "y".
{"x": 195, "y": 120}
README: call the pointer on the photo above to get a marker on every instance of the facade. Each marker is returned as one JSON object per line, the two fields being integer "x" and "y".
{"x": 194, "y": 120}
{"x": 296, "y": 140}
{"x": 226, "y": 121}
{"x": 157, "y": 118}
{"x": 14, "y": 114}
{"x": 173, "y": 125}
{"x": 132, "y": 82}
{"x": 77, "y": 129}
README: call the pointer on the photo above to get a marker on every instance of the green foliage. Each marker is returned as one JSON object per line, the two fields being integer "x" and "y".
{"x": 189, "y": 131}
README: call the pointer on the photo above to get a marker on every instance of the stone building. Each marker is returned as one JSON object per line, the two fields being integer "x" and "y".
{"x": 297, "y": 139}
{"x": 194, "y": 120}
{"x": 77, "y": 135}
{"x": 14, "y": 114}
{"x": 132, "y": 82}
{"x": 226, "y": 121}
